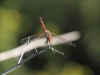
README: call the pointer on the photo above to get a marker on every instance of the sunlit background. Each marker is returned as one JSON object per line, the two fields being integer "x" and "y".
{"x": 20, "y": 18}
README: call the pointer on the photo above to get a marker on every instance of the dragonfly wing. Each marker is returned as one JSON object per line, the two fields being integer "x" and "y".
{"x": 30, "y": 38}
{"x": 65, "y": 41}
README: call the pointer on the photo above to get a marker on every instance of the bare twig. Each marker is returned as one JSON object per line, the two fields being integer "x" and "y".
{"x": 72, "y": 36}
{"x": 30, "y": 57}
{"x": 25, "y": 60}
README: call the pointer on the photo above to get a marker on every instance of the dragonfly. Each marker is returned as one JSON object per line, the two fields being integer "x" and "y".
{"x": 48, "y": 34}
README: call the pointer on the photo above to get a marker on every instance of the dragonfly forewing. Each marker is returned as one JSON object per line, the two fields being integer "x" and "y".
{"x": 30, "y": 38}
{"x": 64, "y": 41}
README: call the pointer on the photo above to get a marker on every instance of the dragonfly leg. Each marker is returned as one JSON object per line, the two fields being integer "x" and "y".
{"x": 45, "y": 43}
{"x": 54, "y": 50}
{"x": 36, "y": 50}
{"x": 49, "y": 44}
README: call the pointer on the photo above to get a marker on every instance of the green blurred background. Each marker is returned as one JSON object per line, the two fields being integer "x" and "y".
{"x": 20, "y": 18}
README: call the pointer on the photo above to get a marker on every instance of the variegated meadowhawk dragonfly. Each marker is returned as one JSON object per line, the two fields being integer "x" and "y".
{"x": 48, "y": 36}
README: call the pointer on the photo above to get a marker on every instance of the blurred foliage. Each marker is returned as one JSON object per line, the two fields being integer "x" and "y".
{"x": 20, "y": 18}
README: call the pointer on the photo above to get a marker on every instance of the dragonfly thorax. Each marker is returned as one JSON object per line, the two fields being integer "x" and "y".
{"x": 48, "y": 35}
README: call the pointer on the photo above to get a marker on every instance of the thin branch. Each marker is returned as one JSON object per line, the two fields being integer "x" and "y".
{"x": 72, "y": 36}
{"x": 25, "y": 60}
{"x": 30, "y": 57}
